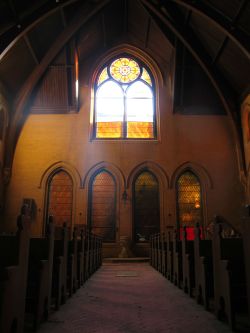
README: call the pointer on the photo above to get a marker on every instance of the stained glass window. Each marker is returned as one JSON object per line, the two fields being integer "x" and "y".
{"x": 189, "y": 205}
{"x": 124, "y": 101}
{"x": 60, "y": 198}
{"x": 103, "y": 206}
{"x": 146, "y": 206}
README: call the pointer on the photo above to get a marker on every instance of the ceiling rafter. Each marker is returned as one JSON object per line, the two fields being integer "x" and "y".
{"x": 188, "y": 17}
{"x": 147, "y": 32}
{"x": 196, "y": 49}
{"x": 63, "y": 17}
{"x": 27, "y": 41}
{"x": 104, "y": 30}
{"x": 8, "y": 37}
{"x": 125, "y": 16}
{"x": 194, "y": 46}
{"x": 83, "y": 16}
{"x": 222, "y": 22}
{"x": 220, "y": 50}
{"x": 240, "y": 10}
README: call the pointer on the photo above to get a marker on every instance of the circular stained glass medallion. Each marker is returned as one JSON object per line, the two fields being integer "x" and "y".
{"x": 125, "y": 70}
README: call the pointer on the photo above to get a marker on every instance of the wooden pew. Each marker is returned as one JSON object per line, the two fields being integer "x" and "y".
{"x": 188, "y": 270}
{"x": 95, "y": 256}
{"x": 245, "y": 227}
{"x": 87, "y": 255}
{"x": 81, "y": 258}
{"x": 204, "y": 279}
{"x": 14, "y": 251}
{"x": 159, "y": 252}
{"x": 163, "y": 255}
{"x": 169, "y": 272}
{"x": 153, "y": 251}
{"x": 229, "y": 277}
{"x": 39, "y": 277}
{"x": 91, "y": 254}
{"x": 72, "y": 280}
{"x": 59, "y": 276}
{"x": 99, "y": 252}
{"x": 177, "y": 260}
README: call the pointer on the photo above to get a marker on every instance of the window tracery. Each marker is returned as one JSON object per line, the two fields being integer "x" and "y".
{"x": 124, "y": 101}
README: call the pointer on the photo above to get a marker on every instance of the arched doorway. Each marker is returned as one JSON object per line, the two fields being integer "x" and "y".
{"x": 102, "y": 205}
{"x": 146, "y": 206}
{"x": 189, "y": 203}
{"x": 60, "y": 198}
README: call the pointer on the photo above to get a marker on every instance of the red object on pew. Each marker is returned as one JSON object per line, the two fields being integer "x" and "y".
{"x": 190, "y": 233}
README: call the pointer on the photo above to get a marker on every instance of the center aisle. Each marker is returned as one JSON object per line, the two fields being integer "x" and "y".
{"x": 131, "y": 298}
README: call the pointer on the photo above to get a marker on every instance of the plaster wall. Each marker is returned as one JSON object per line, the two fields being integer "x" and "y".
{"x": 204, "y": 142}
{"x": 245, "y": 123}
{"x": 4, "y": 115}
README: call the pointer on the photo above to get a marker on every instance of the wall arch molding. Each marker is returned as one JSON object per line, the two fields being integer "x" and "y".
{"x": 112, "y": 168}
{"x": 134, "y": 51}
{"x": 197, "y": 169}
{"x": 54, "y": 168}
{"x": 163, "y": 182}
{"x": 156, "y": 169}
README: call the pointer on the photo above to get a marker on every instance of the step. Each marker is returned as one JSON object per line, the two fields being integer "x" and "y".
{"x": 125, "y": 260}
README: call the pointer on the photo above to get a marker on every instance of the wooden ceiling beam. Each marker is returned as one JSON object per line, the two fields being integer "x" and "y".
{"x": 220, "y": 50}
{"x": 27, "y": 41}
{"x": 11, "y": 36}
{"x": 20, "y": 105}
{"x": 147, "y": 32}
{"x": 104, "y": 32}
{"x": 125, "y": 22}
{"x": 63, "y": 17}
{"x": 239, "y": 37}
{"x": 191, "y": 42}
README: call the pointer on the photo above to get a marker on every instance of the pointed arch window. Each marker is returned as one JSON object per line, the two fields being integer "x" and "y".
{"x": 189, "y": 202}
{"x": 146, "y": 206}
{"x": 60, "y": 198}
{"x": 124, "y": 101}
{"x": 102, "y": 205}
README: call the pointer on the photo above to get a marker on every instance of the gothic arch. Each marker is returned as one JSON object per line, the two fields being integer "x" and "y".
{"x": 204, "y": 179}
{"x": 119, "y": 179}
{"x": 61, "y": 165}
{"x": 44, "y": 182}
{"x": 3, "y": 122}
{"x": 247, "y": 184}
{"x": 162, "y": 179}
{"x": 110, "y": 167}
{"x": 134, "y": 51}
{"x": 158, "y": 171}
{"x": 197, "y": 169}
{"x": 142, "y": 57}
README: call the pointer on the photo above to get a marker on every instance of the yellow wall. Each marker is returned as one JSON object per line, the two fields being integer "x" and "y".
{"x": 204, "y": 141}
{"x": 245, "y": 122}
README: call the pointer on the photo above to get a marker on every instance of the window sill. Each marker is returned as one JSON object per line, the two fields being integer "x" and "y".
{"x": 154, "y": 141}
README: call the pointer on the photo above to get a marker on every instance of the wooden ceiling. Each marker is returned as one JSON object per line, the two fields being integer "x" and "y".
{"x": 216, "y": 32}
{"x": 28, "y": 30}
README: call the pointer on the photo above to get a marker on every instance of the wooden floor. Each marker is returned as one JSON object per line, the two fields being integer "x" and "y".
{"x": 131, "y": 298}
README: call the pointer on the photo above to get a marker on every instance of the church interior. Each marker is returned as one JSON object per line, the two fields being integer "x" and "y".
{"x": 127, "y": 121}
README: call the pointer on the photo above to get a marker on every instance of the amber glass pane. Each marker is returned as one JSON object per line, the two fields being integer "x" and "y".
{"x": 109, "y": 130}
{"x": 189, "y": 199}
{"x": 1, "y": 123}
{"x": 139, "y": 129}
{"x": 124, "y": 70}
{"x": 145, "y": 76}
{"x": 103, "y": 76}
{"x": 146, "y": 206}
{"x": 103, "y": 206}
{"x": 60, "y": 198}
